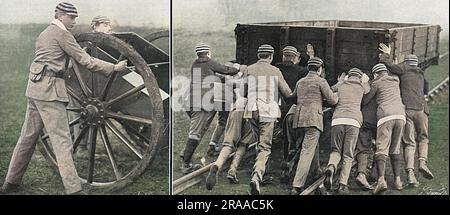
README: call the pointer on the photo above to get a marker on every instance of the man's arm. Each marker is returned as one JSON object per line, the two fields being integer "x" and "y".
{"x": 219, "y": 68}
{"x": 330, "y": 97}
{"x": 397, "y": 69}
{"x": 369, "y": 96}
{"x": 283, "y": 86}
{"x": 73, "y": 49}
{"x": 385, "y": 59}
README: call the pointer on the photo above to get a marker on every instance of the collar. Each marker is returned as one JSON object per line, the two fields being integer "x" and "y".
{"x": 313, "y": 73}
{"x": 203, "y": 59}
{"x": 59, "y": 24}
{"x": 264, "y": 60}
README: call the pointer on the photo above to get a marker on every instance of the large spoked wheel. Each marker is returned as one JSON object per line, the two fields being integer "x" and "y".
{"x": 112, "y": 143}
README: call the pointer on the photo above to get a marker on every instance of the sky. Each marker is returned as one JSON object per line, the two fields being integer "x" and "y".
{"x": 138, "y": 13}
{"x": 217, "y": 14}
{"x": 213, "y": 13}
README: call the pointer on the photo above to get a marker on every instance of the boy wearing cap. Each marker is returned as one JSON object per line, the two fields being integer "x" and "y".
{"x": 345, "y": 124}
{"x": 201, "y": 101}
{"x": 262, "y": 110}
{"x": 238, "y": 135}
{"x": 101, "y": 24}
{"x": 308, "y": 121}
{"x": 364, "y": 146}
{"x": 47, "y": 99}
{"x": 292, "y": 72}
{"x": 413, "y": 88}
{"x": 390, "y": 124}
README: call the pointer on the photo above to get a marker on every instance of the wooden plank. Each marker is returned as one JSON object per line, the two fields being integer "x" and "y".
{"x": 307, "y": 33}
{"x": 421, "y": 31}
{"x": 330, "y": 55}
{"x": 404, "y": 34}
{"x": 366, "y": 24}
{"x": 357, "y": 35}
{"x": 356, "y": 51}
{"x": 372, "y": 45}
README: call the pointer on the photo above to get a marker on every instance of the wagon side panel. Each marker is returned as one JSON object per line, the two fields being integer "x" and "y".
{"x": 358, "y": 48}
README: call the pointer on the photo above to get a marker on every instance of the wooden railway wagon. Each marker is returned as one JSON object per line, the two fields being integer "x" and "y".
{"x": 341, "y": 44}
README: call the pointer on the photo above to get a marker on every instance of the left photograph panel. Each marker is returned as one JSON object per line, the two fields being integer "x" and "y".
{"x": 84, "y": 97}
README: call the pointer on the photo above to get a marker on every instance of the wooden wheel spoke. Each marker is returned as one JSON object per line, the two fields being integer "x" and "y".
{"x": 122, "y": 138}
{"x": 72, "y": 93}
{"x": 74, "y": 109}
{"x": 80, "y": 137}
{"x": 134, "y": 131}
{"x": 75, "y": 121}
{"x": 92, "y": 136}
{"x": 84, "y": 88}
{"x": 109, "y": 151}
{"x": 129, "y": 118}
{"x": 107, "y": 86}
{"x": 107, "y": 54}
{"x": 125, "y": 95}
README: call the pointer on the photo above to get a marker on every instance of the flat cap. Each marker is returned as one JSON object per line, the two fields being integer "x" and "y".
{"x": 67, "y": 8}
{"x": 379, "y": 68}
{"x": 202, "y": 47}
{"x": 412, "y": 60}
{"x": 266, "y": 48}
{"x": 315, "y": 61}
{"x": 290, "y": 50}
{"x": 99, "y": 19}
{"x": 355, "y": 71}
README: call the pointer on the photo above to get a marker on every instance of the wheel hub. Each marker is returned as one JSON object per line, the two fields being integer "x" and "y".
{"x": 93, "y": 113}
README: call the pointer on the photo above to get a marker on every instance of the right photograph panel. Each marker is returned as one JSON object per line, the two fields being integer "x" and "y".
{"x": 309, "y": 98}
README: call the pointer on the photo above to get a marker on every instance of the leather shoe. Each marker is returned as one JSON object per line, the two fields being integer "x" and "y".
{"x": 411, "y": 178}
{"x": 380, "y": 187}
{"x": 211, "y": 179}
{"x": 329, "y": 177}
{"x": 9, "y": 188}
{"x": 361, "y": 180}
{"x": 297, "y": 190}
{"x": 423, "y": 168}
{"x": 254, "y": 188}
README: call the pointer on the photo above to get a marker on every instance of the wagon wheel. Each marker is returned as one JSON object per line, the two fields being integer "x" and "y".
{"x": 160, "y": 40}
{"x": 157, "y": 35}
{"x": 99, "y": 122}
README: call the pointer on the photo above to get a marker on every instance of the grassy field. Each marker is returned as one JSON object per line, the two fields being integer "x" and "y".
{"x": 223, "y": 50}
{"x": 17, "y": 52}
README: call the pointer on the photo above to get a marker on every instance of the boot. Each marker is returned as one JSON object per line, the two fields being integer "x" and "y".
{"x": 361, "y": 180}
{"x": 398, "y": 184}
{"x": 328, "y": 182}
{"x": 363, "y": 159}
{"x": 212, "y": 151}
{"x": 381, "y": 168}
{"x": 380, "y": 187}
{"x": 187, "y": 168}
{"x": 211, "y": 179}
{"x": 397, "y": 169}
{"x": 191, "y": 145}
{"x": 9, "y": 188}
{"x": 411, "y": 178}
{"x": 254, "y": 188}
{"x": 232, "y": 178}
{"x": 423, "y": 168}
{"x": 297, "y": 190}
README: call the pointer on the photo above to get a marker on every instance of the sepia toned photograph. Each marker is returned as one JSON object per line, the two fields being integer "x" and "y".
{"x": 84, "y": 97}
{"x": 310, "y": 97}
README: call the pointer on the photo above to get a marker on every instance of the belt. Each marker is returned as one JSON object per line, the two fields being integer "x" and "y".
{"x": 50, "y": 73}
